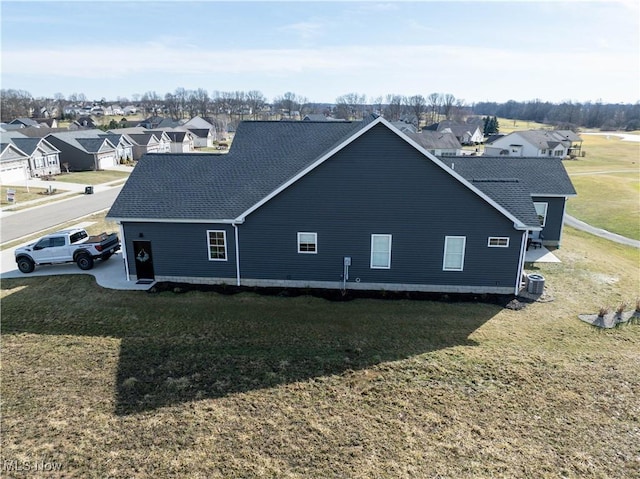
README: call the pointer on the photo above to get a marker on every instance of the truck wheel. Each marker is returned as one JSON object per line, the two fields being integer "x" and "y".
{"x": 26, "y": 265}
{"x": 84, "y": 261}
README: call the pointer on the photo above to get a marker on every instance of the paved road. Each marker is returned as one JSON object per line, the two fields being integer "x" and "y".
{"x": 581, "y": 225}
{"x": 17, "y": 224}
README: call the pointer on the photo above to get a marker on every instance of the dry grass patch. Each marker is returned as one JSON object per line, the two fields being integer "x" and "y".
{"x": 130, "y": 384}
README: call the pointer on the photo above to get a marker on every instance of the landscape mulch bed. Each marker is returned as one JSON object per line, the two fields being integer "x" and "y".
{"x": 504, "y": 300}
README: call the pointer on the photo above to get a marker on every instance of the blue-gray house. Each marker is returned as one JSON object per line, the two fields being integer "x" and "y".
{"x": 354, "y": 205}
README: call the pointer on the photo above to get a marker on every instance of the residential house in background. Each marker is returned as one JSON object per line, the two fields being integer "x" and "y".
{"x": 83, "y": 122}
{"x": 84, "y": 150}
{"x": 25, "y": 122}
{"x": 467, "y": 134}
{"x": 204, "y": 133}
{"x": 123, "y": 144}
{"x": 536, "y": 143}
{"x": 437, "y": 143}
{"x": 342, "y": 205}
{"x": 181, "y": 141}
{"x": 14, "y": 164}
{"x": 44, "y": 159}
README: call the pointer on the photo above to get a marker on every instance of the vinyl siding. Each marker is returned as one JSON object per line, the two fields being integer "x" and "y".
{"x": 378, "y": 184}
{"x": 552, "y": 230}
{"x": 181, "y": 249}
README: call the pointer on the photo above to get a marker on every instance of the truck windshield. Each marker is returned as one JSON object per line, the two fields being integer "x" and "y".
{"x": 75, "y": 237}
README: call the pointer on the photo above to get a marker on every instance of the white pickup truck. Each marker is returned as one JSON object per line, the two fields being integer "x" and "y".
{"x": 66, "y": 246}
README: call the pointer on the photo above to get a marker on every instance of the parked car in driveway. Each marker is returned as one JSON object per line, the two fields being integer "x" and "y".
{"x": 67, "y": 246}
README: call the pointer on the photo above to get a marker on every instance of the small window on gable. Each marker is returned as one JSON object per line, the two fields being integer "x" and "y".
{"x": 454, "y": 247}
{"x": 308, "y": 243}
{"x": 380, "y": 251}
{"x": 541, "y": 211}
{"x": 217, "y": 245}
{"x": 498, "y": 242}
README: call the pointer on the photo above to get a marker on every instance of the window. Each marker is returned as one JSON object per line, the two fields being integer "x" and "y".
{"x": 308, "y": 243}
{"x": 217, "y": 245}
{"x": 454, "y": 247}
{"x": 541, "y": 211}
{"x": 498, "y": 242}
{"x": 543, "y": 151}
{"x": 559, "y": 153}
{"x": 381, "y": 251}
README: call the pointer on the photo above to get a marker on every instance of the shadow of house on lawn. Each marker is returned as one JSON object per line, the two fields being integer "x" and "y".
{"x": 176, "y": 348}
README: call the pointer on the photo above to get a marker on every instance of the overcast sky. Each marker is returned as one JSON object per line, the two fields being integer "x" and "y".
{"x": 478, "y": 51}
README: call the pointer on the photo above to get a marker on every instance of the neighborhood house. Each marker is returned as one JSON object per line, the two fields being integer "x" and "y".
{"x": 341, "y": 205}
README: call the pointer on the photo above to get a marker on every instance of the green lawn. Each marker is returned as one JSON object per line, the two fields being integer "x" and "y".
{"x": 92, "y": 177}
{"x": 607, "y": 180}
{"x": 132, "y": 384}
{"x": 23, "y": 194}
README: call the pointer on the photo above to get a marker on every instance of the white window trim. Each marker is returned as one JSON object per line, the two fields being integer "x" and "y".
{"x": 388, "y": 253}
{"x": 544, "y": 215}
{"x": 315, "y": 242}
{"x": 224, "y": 236}
{"x": 498, "y": 238}
{"x": 444, "y": 256}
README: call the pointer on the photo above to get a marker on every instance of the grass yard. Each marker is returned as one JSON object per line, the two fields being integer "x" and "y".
{"x": 130, "y": 384}
{"x": 607, "y": 180}
{"x": 507, "y": 126}
{"x": 22, "y": 195}
{"x": 92, "y": 177}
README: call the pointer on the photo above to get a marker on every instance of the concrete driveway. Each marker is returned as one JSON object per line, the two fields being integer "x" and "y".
{"x": 108, "y": 274}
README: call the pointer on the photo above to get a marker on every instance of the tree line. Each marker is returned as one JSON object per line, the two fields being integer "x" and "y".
{"x": 418, "y": 109}
{"x": 567, "y": 115}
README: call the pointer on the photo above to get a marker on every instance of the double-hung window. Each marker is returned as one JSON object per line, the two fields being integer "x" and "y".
{"x": 217, "y": 240}
{"x": 454, "y": 247}
{"x": 541, "y": 211}
{"x": 308, "y": 243}
{"x": 380, "y": 251}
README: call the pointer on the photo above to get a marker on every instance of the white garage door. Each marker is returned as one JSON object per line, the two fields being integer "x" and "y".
{"x": 12, "y": 175}
{"x": 107, "y": 162}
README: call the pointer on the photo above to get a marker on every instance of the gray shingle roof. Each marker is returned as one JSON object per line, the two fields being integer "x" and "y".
{"x": 264, "y": 156}
{"x": 541, "y": 176}
{"x": 512, "y": 194}
{"x": 434, "y": 140}
{"x": 88, "y": 141}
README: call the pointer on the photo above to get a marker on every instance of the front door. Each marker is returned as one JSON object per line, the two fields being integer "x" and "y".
{"x": 144, "y": 259}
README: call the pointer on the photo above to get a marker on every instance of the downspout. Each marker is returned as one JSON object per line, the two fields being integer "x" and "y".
{"x": 523, "y": 249}
{"x": 235, "y": 230}
{"x": 564, "y": 212}
{"x": 123, "y": 248}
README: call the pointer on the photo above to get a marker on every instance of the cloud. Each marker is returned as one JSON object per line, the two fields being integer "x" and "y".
{"x": 475, "y": 73}
{"x": 305, "y": 30}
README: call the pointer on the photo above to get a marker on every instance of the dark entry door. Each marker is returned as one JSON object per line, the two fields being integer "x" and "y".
{"x": 144, "y": 259}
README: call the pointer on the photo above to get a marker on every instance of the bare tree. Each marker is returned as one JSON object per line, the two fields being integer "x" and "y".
{"x": 350, "y": 106}
{"x": 448, "y": 102}
{"x": 417, "y": 105}
{"x": 173, "y": 105}
{"x": 434, "y": 100}
{"x": 15, "y": 104}
{"x": 290, "y": 102}
{"x": 394, "y": 107}
{"x": 255, "y": 101}
{"x": 150, "y": 102}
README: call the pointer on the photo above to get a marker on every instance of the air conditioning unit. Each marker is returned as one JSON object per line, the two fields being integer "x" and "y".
{"x": 535, "y": 284}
